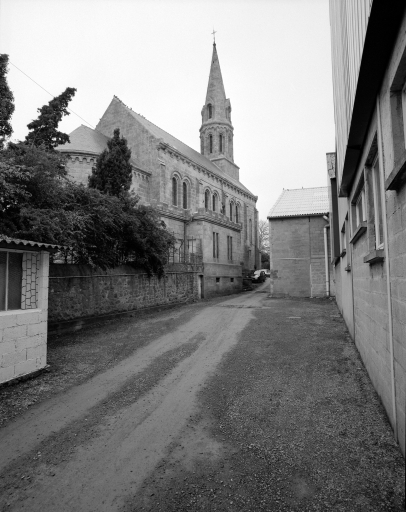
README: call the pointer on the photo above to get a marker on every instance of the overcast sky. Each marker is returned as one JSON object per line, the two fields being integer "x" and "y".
{"x": 155, "y": 56}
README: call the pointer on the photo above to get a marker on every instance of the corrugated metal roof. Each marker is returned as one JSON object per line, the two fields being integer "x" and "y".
{"x": 301, "y": 201}
{"x": 84, "y": 140}
{"x": 18, "y": 241}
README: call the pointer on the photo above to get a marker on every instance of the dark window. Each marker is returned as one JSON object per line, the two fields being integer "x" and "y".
{"x": 214, "y": 202}
{"x": 217, "y": 279}
{"x": 250, "y": 231}
{"x": 174, "y": 191}
{"x": 237, "y": 216}
{"x": 207, "y": 199}
{"x": 211, "y": 143}
{"x": 209, "y": 111}
{"x": 230, "y": 247}
{"x": 232, "y": 279}
{"x": 215, "y": 245}
{"x": 231, "y": 211}
{"x": 11, "y": 276}
{"x": 184, "y": 195}
{"x": 221, "y": 142}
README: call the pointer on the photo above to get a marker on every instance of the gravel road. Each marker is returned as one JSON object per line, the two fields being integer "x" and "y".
{"x": 237, "y": 404}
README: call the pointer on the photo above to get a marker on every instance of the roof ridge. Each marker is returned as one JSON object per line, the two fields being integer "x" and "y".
{"x": 302, "y": 188}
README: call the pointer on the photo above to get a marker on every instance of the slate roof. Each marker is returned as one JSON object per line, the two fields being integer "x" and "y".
{"x": 187, "y": 151}
{"x": 85, "y": 140}
{"x": 301, "y": 201}
{"x": 6, "y": 240}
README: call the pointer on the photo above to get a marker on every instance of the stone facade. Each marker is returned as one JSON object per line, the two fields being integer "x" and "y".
{"x": 78, "y": 293}
{"x": 199, "y": 195}
{"x": 23, "y": 332}
{"x": 368, "y": 183}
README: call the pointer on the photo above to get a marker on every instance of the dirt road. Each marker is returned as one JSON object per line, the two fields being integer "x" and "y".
{"x": 163, "y": 428}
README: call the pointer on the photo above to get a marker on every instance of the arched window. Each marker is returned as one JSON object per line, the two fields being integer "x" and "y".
{"x": 202, "y": 145}
{"x": 237, "y": 213}
{"x": 174, "y": 191}
{"x": 230, "y": 145}
{"x": 209, "y": 111}
{"x": 221, "y": 142}
{"x": 215, "y": 202}
{"x": 250, "y": 231}
{"x": 210, "y": 143}
{"x": 231, "y": 211}
{"x": 207, "y": 199}
{"x": 184, "y": 187}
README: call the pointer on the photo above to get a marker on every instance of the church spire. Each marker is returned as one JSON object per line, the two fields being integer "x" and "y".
{"x": 216, "y": 132}
{"x": 216, "y": 95}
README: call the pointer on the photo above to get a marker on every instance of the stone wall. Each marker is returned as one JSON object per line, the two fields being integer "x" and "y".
{"x": 77, "y": 292}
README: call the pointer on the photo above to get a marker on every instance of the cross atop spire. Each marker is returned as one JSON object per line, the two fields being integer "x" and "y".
{"x": 214, "y": 35}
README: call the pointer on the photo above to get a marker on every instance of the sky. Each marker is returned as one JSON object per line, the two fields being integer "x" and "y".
{"x": 155, "y": 56}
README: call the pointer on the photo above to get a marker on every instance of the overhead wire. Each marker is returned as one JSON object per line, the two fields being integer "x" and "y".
{"x": 53, "y": 95}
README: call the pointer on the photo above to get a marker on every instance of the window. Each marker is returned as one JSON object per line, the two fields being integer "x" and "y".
{"x": 209, "y": 111}
{"x": 231, "y": 212}
{"x": 217, "y": 279}
{"x": 207, "y": 199}
{"x": 210, "y": 143}
{"x": 229, "y": 248}
{"x": 184, "y": 187}
{"x": 250, "y": 229}
{"x": 221, "y": 142}
{"x": 202, "y": 145}
{"x": 215, "y": 202}
{"x": 232, "y": 279}
{"x": 358, "y": 209}
{"x": 215, "y": 245}
{"x": 18, "y": 280}
{"x": 230, "y": 145}
{"x": 344, "y": 238}
{"x": 10, "y": 280}
{"x": 377, "y": 204}
{"x": 237, "y": 213}
{"x": 174, "y": 191}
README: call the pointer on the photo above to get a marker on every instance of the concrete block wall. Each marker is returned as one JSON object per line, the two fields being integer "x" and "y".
{"x": 23, "y": 332}
{"x": 297, "y": 257}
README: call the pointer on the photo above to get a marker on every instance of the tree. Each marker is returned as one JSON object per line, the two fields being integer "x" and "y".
{"x": 44, "y": 130}
{"x": 39, "y": 202}
{"x": 6, "y": 101}
{"x": 263, "y": 236}
{"x": 113, "y": 172}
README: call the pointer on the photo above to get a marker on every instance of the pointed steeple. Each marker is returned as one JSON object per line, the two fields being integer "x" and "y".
{"x": 216, "y": 132}
{"x": 216, "y": 95}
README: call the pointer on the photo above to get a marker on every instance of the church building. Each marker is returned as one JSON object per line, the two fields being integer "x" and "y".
{"x": 199, "y": 195}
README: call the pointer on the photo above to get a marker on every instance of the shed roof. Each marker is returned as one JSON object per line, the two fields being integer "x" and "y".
{"x": 301, "y": 201}
{"x": 18, "y": 243}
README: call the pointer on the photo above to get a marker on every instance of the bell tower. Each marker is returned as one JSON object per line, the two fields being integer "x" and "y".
{"x": 216, "y": 132}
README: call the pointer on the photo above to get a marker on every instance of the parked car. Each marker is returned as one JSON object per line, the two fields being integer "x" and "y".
{"x": 267, "y": 272}
{"x": 258, "y": 276}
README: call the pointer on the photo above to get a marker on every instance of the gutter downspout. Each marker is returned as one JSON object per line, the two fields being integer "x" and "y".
{"x": 386, "y": 248}
{"x": 326, "y": 263}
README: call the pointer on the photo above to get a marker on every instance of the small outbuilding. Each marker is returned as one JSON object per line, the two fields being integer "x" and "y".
{"x": 24, "y": 271}
{"x": 299, "y": 243}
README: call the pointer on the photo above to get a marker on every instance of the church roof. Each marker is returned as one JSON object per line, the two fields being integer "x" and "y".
{"x": 301, "y": 201}
{"x": 84, "y": 140}
{"x": 181, "y": 147}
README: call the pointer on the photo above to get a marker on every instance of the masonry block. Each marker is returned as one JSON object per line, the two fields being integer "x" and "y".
{"x": 6, "y": 374}
{"x": 12, "y": 333}
{"x": 13, "y": 358}
{"x": 6, "y": 347}
{"x": 25, "y": 367}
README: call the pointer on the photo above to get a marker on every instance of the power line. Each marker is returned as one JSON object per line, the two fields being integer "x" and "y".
{"x": 53, "y": 95}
